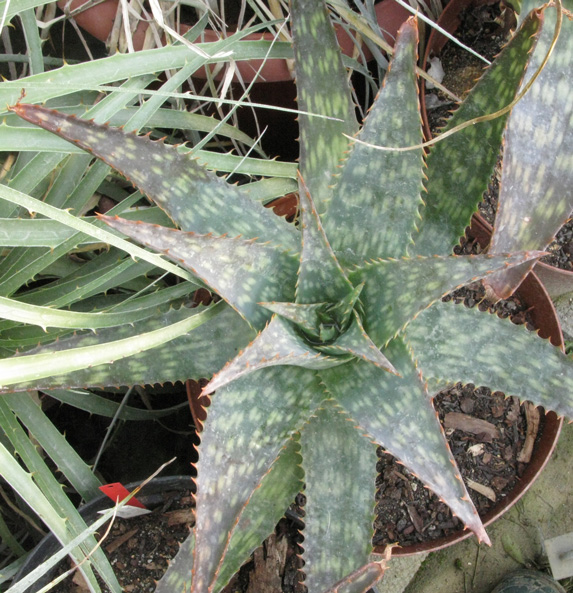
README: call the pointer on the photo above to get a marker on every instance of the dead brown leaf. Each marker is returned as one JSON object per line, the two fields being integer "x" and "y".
{"x": 486, "y": 430}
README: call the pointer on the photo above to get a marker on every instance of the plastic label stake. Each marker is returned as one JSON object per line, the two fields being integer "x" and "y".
{"x": 117, "y": 492}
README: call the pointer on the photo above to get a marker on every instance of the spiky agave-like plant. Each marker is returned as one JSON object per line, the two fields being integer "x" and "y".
{"x": 352, "y": 334}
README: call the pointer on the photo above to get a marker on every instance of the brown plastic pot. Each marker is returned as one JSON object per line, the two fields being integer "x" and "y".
{"x": 533, "y": 294}
{"x": 98, "y": 21}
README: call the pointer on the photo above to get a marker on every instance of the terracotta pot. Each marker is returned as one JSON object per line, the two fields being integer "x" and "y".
{"x": 532, "y": 293}
{"x": 98, "y": 21}
{"x": 151, "y": 495}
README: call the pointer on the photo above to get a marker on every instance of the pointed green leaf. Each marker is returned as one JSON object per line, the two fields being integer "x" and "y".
{"x": 95, "y": 404}
{"x": 372, "y": 213}
{"x": 322, "y": 85}
{"x": 241, "y": 272}
{"x": 459, "y": 167}
{"x": 194, "y": 355}
{"x": 96, "y": 74}
{"x": 397, "y": 290}
{"x": 305, "y": 316}
{"x": 178, "y": 575}
{"x": 397, "y": 413}
{"x": 278, "y": 344}
{"x": 334, "y": 548}
{"x": 48, "y": 317}
{"x": 258, "y": 413}
{"x": 355, "y": 341}
{"x": 196, "y": 198}
{"x": 34, "y": 205}
{"x": 53, "y": 506}
{"x": 320, "y": 277}
{"x": 544, "y": 376}
{"x": 535, "y": 197}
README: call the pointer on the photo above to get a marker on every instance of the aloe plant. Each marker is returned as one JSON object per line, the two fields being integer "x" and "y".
{"x": 331, "y": 337}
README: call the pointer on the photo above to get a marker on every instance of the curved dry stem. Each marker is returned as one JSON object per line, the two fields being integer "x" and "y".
{"x": 489, "y": 116}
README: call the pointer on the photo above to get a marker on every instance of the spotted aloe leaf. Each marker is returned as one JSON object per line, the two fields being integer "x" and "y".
{"x": 330, "y": 493}
{"x": 543, "y": 377}
{"x": 357, "y": 342}
{"x": 194, "y": 197}
{"x": 459, "y": 168}
{"x": 277, "y": 490}
{"x": 277, "y": 345}
{"x": 320, "y": 275}
{"x": 372, "y": 212}
{"x": 535, "y": 197}
{"x": 397, "y": 290}
{"x": 305, "y": 316}
{"x": 324, "y": 97}
{"x": 256, "y": 413}
{"x": 387, "y": 400}
{"x": 243, "y": 272}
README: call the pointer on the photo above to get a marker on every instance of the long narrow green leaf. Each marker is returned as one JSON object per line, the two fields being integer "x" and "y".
{"x": 49, "y": 502}
{"x": 33, "y": 41}
{"x": 92, "y": 75}
{"x": 43, "y": 232}
{"x": 23, "y": 265}
{"x": 79, "y": 225}
{"x": 12, "y": 545}
{"x": 48, "y": 317}
{"x": 29, "y": 139}
{"x": 194, "y": 355}
{"x": 26, "y": 581}
{"x": 10, "y": 8}
{"x": 33, "y": 367}
{"x": 54, "y": 444}
{"x": 95, "y": 404}
{"x": 162, "y": 118}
